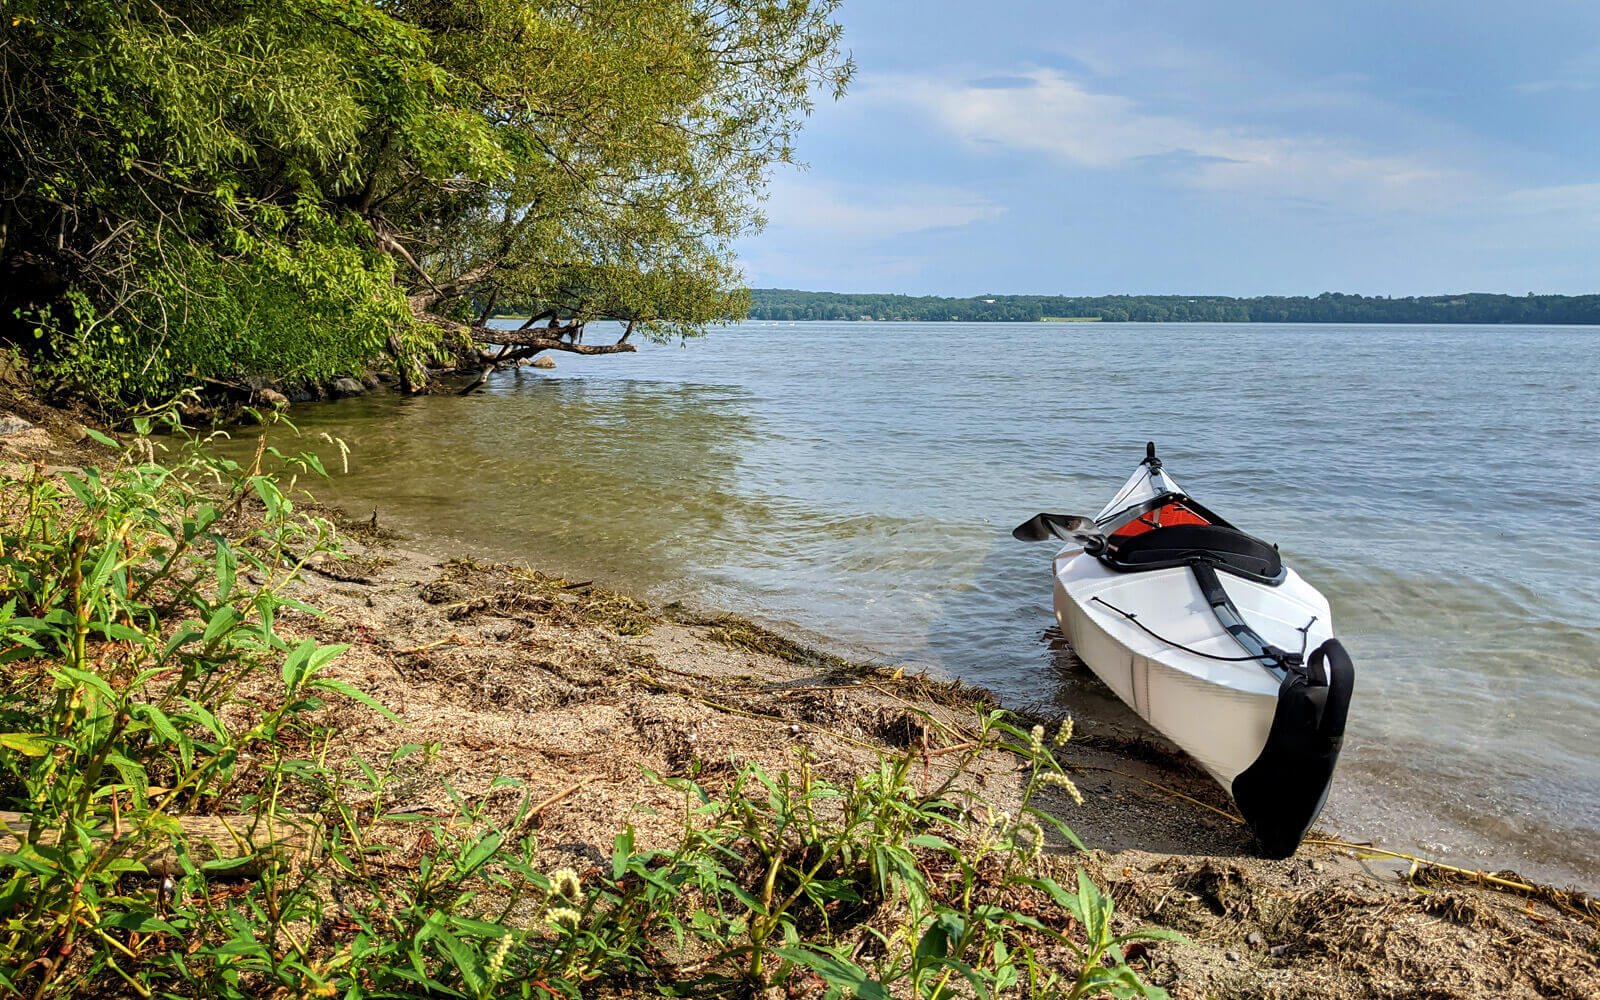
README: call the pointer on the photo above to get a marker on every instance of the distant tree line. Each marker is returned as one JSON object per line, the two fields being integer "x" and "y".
{"x": 1329, "y": 307}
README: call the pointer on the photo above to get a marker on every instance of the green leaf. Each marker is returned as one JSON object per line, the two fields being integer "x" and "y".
{"x": 935, "y": 943}
{"x": 1059, "y": 896}
{"x": 161, "y": 724}
{"x": 467, "y": 961}
{"x": 837, "y": 972}
{"x": 323, "y": 656}
{"x": 481, "y": 928}
{"x": 621, "y": 851}
{"x": 118, "y": 632}
{"x": 1120, "y": 981}
{"x": 971, "y": 975}
{"x": 350, "y": 691}
{"x": 132, "y": 774}
{"x": 294, "y": 665}
{"x": 101, "y": 438}
{"x": 144, "y": 923}
{"x": 933, "y": 841}
{"x": 1061, "y": 828}
{"x": 1093, "y": 908}
{"x": 182, "y": 637}
{"x": 96, "y": 580}
{"x": 1005, "y": 971}
{"x": 228, "y": 864}
{"x": 480, "y": 853}
{"x": 226, "y": 566}
{"x": 224, "y": 619}
{"x": 745, "y": 898}
{"x": 29, "y": 861}
{"x": 1151, "y": 934}
{"x": 27, "y": 744}
{"x": 74, "y": 677}
{"x": 242, "y": 946}
{"x": 270, "y": 496}
{"x": 206, "y": 718}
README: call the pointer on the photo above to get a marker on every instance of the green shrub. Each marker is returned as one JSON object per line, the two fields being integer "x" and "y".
{"x": 312, "y": 302}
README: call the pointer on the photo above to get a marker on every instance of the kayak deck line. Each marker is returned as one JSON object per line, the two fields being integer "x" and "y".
{"x": 1270, "y": 655}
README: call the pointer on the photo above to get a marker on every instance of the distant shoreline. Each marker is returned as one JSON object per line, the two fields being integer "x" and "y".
{"x": 784, "y": 304}
{"x": 1095, "y": 319}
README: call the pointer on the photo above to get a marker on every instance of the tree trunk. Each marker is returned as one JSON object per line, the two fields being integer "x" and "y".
{"x": 527, "y": 343}
{"x": 402, "y": 364}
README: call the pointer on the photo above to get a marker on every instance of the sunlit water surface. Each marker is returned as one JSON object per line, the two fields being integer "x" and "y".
{"x": 859, "y": 481}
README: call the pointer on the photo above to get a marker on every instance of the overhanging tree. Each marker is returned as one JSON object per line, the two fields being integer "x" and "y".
{"x": 288, "y": 187}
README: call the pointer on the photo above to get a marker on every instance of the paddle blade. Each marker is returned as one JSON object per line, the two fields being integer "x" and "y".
{"x": 1043, "y": 527}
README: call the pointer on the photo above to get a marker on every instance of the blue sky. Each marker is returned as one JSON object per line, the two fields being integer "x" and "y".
{"x": 1235, "y": 147}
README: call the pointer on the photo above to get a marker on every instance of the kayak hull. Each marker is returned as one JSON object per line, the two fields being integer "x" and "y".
{"x": 1223, "y": 730}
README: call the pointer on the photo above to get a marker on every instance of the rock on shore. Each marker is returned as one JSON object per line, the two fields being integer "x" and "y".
{"x": 17, "y": 433}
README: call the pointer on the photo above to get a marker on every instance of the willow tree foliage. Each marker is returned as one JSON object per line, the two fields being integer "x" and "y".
{"x": 289, "y": 188}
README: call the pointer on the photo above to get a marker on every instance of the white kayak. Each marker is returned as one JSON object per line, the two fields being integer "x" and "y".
{"x": 1205, "y": 633}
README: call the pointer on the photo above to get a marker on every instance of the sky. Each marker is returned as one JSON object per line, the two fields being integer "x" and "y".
{"x": 1229, "y": 147}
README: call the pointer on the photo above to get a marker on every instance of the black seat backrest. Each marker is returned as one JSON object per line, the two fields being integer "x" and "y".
{"x": 1178, "y": 544}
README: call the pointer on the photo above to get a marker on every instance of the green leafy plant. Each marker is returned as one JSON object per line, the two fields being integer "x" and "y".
{"x": 138, "y": 601}
{"x": 192, "y": 827}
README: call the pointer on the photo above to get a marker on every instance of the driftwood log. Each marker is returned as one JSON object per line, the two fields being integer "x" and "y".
{"x": 510, "y": 346}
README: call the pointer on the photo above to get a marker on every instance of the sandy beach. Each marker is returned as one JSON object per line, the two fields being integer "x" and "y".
{"x": 580, "y": 693}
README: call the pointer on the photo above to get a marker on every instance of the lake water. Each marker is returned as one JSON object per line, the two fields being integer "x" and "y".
{"x": 859, "y": 482}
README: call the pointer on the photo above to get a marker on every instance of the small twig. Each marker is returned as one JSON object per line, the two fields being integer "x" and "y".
{"x": 1587, "y": 913}
{"x": 784, "y": 692}
{"x": 949, "y": 730}
{"x": 747, "y": 678}
{"x": 452, "y": 638}
{"x": 557, "y": 797}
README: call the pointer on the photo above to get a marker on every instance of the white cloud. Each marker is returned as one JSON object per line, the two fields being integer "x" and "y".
{"x": 797, "y": 205}
{"x": 1060, "y": 118}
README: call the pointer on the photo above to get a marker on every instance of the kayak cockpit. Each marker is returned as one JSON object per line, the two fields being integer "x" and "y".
{"x": 1172, "y": 545}
{"x": 1154, "y": 525}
